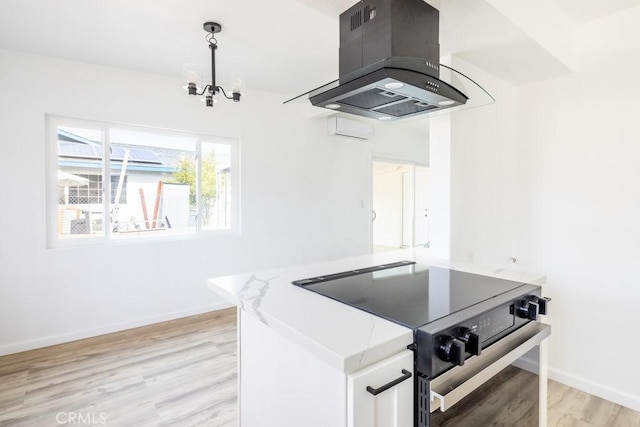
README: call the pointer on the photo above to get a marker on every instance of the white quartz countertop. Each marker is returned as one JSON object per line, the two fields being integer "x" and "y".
{"x": 344, "y": 337}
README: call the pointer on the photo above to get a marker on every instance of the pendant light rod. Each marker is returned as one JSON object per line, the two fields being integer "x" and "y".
{"x": 212, "y": 28}
{"x": 214, "y": 88}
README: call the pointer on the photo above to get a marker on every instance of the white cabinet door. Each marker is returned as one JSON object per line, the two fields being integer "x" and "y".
{"x": 390, "y": 408}
{"x": 283, "y": 385}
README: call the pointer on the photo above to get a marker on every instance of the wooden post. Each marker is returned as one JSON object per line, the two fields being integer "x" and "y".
{"x": 144, "y": 209}
{"x": 156, "y": 207}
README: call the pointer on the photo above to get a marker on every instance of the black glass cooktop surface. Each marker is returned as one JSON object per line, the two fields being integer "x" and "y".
{"x": 408, "y": 293}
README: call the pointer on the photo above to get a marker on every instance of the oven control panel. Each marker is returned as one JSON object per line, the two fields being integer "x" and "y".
{"x": 452, "y": 345}
{"x": 491, "y": 324}
{"x": 456, "y": 344}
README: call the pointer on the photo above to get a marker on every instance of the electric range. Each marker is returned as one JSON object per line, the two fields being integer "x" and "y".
{"x": 455, "y": 316}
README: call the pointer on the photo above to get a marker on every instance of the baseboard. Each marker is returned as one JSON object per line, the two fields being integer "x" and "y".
{"x": 624, "y": 399}
{"x": 596, "y": 389}
{"x": 88, "y": 333}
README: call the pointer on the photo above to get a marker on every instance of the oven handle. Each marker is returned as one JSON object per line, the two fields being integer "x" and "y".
{"x": 453, "y": 386}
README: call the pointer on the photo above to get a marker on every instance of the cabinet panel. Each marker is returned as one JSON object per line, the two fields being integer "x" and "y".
{"x": 392, "y": 407}
{"x": 282, "y": 384}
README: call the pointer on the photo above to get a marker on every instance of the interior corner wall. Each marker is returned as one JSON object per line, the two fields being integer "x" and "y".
{"x": 305, "y": 197}
{"x": 585, "y": 157}
{"x": 549, "y": 175}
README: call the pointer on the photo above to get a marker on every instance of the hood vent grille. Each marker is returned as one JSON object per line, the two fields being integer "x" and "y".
{"x": 373, "y": 98}
{"x": 386, "y": 102}
{"x": 406, "y": 108}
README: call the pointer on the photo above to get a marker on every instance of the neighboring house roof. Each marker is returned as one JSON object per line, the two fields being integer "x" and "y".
{"x": 77, "y": 151}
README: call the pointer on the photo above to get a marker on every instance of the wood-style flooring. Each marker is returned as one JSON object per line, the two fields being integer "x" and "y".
{"x": 569, "y": 407}
{"x": 180, "y": 373}
{"x": 177, "y": 373}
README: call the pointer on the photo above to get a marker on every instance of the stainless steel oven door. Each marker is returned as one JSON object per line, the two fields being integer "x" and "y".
{"x": 486, "y": 390}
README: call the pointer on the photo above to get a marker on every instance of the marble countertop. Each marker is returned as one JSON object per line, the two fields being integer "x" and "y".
{"x": 346, "y": 338}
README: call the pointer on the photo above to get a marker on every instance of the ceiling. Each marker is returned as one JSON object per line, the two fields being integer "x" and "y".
{"x": 580, "y": 11}
{"x": 284, "y": 46}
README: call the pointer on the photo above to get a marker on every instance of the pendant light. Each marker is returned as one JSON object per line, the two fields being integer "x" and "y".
{"x": 210, "y": 90}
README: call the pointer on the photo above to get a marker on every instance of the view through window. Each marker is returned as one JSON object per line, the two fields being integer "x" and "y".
{"x": 159, "y": 183}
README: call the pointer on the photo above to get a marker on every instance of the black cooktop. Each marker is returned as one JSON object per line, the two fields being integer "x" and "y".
{"x": 408, "y": 293}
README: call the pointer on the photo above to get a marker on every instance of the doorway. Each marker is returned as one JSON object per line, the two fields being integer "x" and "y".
{"x": 400, "y": 215}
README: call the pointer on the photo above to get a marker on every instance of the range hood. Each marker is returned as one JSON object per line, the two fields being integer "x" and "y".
{"x": 389, "y": 64}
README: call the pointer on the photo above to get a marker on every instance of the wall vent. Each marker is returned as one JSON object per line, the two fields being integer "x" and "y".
{"x": 369, "y": 13}
{"x": 356, "y": 20}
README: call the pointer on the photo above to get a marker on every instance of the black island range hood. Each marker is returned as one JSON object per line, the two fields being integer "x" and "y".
{"x": 389, "y": 63}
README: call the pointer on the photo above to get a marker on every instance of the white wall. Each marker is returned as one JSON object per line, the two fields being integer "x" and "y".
{"x": 550, "y": 174}
{"x": 439, "y": 197}
{"x": 488, "y": 220}
{"x": 305, "y": 197}
{"x": 585, "y": 147}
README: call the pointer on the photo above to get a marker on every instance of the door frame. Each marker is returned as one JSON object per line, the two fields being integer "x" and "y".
{"x": 400, "y": 161}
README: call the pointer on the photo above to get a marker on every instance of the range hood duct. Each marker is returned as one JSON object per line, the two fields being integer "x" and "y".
{"x": 389, "y": 63}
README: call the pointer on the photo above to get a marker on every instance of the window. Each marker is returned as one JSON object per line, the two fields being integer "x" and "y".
{"x": 159, "y": 183}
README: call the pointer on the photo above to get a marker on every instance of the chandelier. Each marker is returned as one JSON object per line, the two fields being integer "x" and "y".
{"x": 210, "y": 90}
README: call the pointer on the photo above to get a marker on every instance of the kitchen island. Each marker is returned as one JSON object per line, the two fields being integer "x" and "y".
{"x": 305, "y": 359}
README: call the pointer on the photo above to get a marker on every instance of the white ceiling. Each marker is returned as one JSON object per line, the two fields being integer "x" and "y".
{"x": 286, "y": 46}
{"x": 580, "y": 11}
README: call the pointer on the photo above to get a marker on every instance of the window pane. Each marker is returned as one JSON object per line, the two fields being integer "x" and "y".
{"x": 153, "y": 179}
{"x": 79, "y": 189}
{"x": 215, "y": 198}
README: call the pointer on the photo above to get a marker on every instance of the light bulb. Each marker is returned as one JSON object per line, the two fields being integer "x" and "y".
{"x": 191, "y": 77}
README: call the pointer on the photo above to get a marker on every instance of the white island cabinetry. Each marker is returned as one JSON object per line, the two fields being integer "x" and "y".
{"x": 282, "y": 384}
{"x": 391, "y": 407}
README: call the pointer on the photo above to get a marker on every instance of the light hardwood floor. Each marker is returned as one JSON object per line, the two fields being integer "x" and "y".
{"x": 179, "y": 373}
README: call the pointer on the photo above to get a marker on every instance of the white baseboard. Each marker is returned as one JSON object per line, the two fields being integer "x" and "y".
{"x": 593, "y": 388}
{"x": 107, "y": 329}
{"x": 621, "y": 398}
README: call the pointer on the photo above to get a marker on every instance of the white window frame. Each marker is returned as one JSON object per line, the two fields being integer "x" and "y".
{"x": 52, "y": 123}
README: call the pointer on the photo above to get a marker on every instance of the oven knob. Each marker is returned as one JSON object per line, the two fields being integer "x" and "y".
{"x": 452, "y": 351}
{"x": 471, "y": 340}
{"x": 527, "y": 309}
